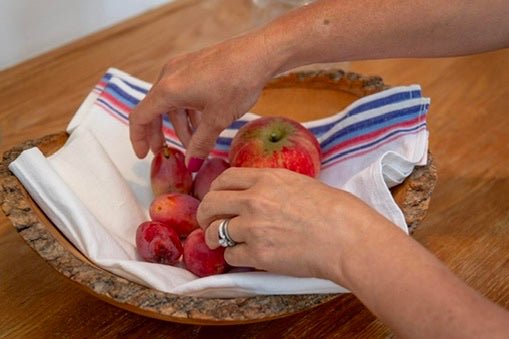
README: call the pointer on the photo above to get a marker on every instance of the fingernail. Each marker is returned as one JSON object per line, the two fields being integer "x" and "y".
{"x": 194, "y": 164}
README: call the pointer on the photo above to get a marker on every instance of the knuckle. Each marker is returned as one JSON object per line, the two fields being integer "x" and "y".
{"x": 201, "y": 142}
{"x": 254, "y": 204}
{"x": 214, "y": 121}
{"x": 164, "y": 87}
{"x": 258, "y": 232}
{"x": 170, "y": 67}
{"x": 167, "y": 68}
{"x": 258, "y": 204}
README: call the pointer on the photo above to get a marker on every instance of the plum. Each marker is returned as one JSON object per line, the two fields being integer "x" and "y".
{"x": 168, "y": 172}
{"x": 200, "y": 259}
{"x": 176, "y": 210}
{"x": 207, "y": 173}
{"x": 159, "y": 243}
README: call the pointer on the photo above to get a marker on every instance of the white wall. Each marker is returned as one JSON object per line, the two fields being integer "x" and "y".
{"x": 31, "y": 27}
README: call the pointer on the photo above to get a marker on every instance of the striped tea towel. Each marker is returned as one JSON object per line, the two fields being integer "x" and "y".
{"x": 96, "y": 191}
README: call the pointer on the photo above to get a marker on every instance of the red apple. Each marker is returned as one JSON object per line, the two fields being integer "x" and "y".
{"x": 207, "y": 173}
{"x": 168, "y": 172}
{"x": 159, "y": 243}
{"x": 200, "y": 259}
{"x": 176, "y": 210}
{"x": 276, "y": 142}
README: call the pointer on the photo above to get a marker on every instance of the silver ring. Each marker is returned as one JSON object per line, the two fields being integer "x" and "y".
{"x": 224, "y": 237}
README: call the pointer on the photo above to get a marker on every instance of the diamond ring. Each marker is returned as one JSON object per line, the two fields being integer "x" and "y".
{"x": 224, "y": 238}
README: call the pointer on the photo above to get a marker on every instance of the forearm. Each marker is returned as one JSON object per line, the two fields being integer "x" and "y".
{"x": 413, "y": 292}
{"x": 332, "y": 30}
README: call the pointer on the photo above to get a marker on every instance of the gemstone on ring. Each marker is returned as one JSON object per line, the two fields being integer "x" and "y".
{"x": 224, "y": 237}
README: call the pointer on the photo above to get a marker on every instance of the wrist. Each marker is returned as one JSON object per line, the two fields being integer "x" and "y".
{"x": 279, "y": 48}
{"x": 363, "y": 234}
{"x": 343, "y": 244}
{"x": 301, "y": 37}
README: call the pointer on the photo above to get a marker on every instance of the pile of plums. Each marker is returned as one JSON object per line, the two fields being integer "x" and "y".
{"x": 173, "y": 231}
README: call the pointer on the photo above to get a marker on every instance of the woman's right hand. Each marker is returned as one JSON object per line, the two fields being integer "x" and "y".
{"x": 203, "y": 93}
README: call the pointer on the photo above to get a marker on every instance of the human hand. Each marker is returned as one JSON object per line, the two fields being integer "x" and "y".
{"x": 284, "y": 222}
{"x": 202, "y": 93}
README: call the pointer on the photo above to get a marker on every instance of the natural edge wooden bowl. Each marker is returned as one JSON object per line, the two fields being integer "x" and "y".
{"x": 291, "y": 95}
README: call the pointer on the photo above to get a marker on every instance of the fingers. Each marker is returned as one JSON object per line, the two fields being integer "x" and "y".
{"x": 178, "y": 117}
{"x": 230, "y": 194}
{"x": 239, "y": 178}
{"x": 202, "y": 141}
{"x": 237, "y": 255}
{"x": 194, "y": 118}
{"x": 156, "y": 136}
{"x": 139, "y": 139}
{"x": 145, "y": 123}
{"x": 241, "y": 254}
{"x": 216, "y": 205}
{"x": 146, "y": 136}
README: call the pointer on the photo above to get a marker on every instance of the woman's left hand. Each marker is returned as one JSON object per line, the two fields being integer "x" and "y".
{"x": 284, "y": 222}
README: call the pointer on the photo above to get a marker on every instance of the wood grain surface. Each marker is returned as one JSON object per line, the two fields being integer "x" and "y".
{"x": 467, "y": 225}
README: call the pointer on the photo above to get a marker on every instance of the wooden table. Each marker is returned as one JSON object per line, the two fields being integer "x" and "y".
{"x": 467, "y": 224}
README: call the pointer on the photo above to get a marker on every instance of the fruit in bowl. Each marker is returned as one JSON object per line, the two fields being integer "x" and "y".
{"x": 168, "y": 172}
{"x": 276, "y": 142}
{"x": 207, "y": 173}
{"x": 200, "y": 259}
{"x": 177, "y": 210}
{"x": 159, "y": 243}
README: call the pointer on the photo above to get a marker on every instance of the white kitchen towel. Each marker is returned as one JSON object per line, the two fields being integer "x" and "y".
{"x": 97, "y": 192}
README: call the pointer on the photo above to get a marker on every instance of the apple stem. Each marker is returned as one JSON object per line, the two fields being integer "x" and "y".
{"x": 166, "y": 152}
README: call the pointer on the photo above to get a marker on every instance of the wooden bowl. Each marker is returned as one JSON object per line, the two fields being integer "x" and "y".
{"x": 304, "y": 96}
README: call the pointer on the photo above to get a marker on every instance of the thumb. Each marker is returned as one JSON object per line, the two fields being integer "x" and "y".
{"x": 201, "y": 143}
